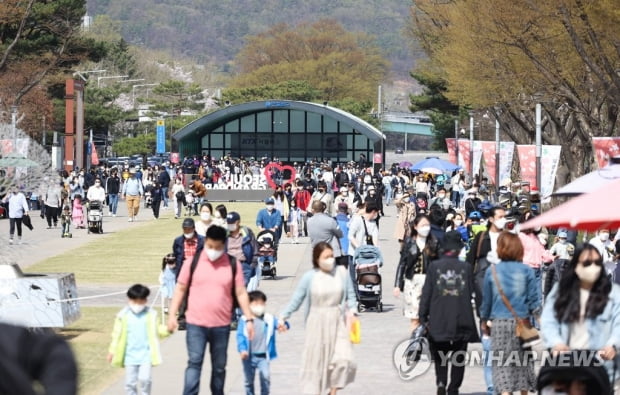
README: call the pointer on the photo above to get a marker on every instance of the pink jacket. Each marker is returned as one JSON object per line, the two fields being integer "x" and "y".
{"x": 534, "y": 253}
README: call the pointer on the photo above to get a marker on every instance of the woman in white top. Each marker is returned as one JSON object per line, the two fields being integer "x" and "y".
{"x": 206, "y": 219}
{"x": 582, "y": 312}
{"x": 178, "y": 194}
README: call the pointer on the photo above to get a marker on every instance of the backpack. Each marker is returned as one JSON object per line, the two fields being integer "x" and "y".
{"x": 192, "y": 269}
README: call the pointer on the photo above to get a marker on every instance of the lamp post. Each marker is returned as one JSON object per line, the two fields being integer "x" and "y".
{"x": 133, "y": 92}
{"x": 456, "y": 140}
{"x": 497, "y": 180}
{"x": 109, "y": 77}
{"x": 471, "y": 145}
{"x": 14, "y": 126}
{"x": 538, "y": 144}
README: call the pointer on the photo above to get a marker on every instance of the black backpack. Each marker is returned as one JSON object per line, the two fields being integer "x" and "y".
{"x": 192, "y": 269}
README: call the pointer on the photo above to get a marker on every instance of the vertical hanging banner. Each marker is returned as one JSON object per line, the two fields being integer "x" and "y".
{"x": 527, "y": 162}
{"x": 94, "y": 157}
{"x": 161, "y": 136}
{"x": 464, "y": 159}
{"x": 477, "y": 156}
{"x": 506, "y": 155}
{"x": 451, "y": 144}
{"x": 549, "y": 162}
{"x": 605, "y": 148}
{"x": 488, "y": 153}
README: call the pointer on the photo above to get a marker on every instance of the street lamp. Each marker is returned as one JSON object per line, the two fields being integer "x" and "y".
{"x": 538, "y": 144}
{"x": 497, "y": 180}
{"x": 471, "y": 145}
{"x": 14, "y": 126}
{"x": 133, "y": 92}
{"x": 81, "y": 73}
{"x": 108, "y": 77}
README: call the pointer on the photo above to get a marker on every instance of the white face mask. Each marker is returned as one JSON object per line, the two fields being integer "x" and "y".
{"x": 257, "y": 309}
{"x": 327, "y": 265}
{"x": 588, "y": 274}
{"x": 500, "y": 223}
{"x": 232, "y": 227}
{"x": 269, "y": 207}
{"x": 205, "y": 216}
{"x": 603, "y": 236}
{"x": 457, "y": 223}
{"x": 214, "y": 255}
{"x": 424, "y": 231}
{"x": 562, "y": 241}
{"x": 137, "y": 308}
{"x": 188, "y": 235}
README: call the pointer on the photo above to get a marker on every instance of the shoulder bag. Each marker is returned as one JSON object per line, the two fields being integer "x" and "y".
{"x": 527, "y": 334}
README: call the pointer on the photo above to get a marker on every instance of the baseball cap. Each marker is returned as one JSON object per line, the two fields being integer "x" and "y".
{"x": 188, "y": 223}
{"x": 562, "y": 234}
{"x": 269, "y": 201}
{"x": 233, "y": 217}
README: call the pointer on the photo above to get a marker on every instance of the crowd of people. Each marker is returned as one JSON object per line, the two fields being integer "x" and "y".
{"x": 460, "y": 243}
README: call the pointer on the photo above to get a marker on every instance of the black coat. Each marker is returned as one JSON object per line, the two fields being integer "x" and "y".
{"x": 445, "y": 305}
{"x": 409, "y": 256}
{"x": 27, "y": 356}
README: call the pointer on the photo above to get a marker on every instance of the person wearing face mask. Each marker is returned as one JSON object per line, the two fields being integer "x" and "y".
{"x": 535, "y": 253}
{"x": 178, "y": 193}
{"x": 582, "y": 311}
{"x": 325, "y": 290}
{"x": 270, "y": 219}
{"x": 257, "y": 353}
{"x": 363, "y": 228}
{"x": 520, "y": 296}
{"x": 184, "y": 247}
{"x": 206, "y": 219}
{"x": 18, "y": 208}
{"x": 211, "y": 284}
{"x": 241, "y": 244}
{"x": 323, "y": 195}
{"x": 135, "y": 343}
{"x": 481, "y": 252}
{"x": 132, "y": 192}
{"x": 605, "y": 247}
{"x": 375, "y": 198}
{"x": 562, "y": 252}
{"x": 303, "y": 198}
{"x": 416, "y": 255}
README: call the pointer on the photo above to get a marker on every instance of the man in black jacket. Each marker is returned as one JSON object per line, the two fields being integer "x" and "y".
{"x": 445, "y": 309}
{"x": 112, "y": 189}
{"x": 163, "y": 178}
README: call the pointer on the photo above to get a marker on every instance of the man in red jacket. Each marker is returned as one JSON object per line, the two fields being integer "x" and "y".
{"x": 302, "y": 199}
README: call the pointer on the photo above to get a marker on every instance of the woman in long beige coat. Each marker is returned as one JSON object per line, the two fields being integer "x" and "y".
{"x": 405, "y": 217}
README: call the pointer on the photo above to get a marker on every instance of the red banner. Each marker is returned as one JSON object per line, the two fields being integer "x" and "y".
{"x": 488, "y": 154}
{"x": 605, "y": 148}
{"x": 451, "y": 144}
{"x": 527, "y": 162}
{"x": 94, "y": 157}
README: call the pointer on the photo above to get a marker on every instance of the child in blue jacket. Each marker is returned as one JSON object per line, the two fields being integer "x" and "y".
{"x": 257, "y": 353}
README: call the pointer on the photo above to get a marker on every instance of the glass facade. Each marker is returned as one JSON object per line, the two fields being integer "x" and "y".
{"x": 290, "y": 135}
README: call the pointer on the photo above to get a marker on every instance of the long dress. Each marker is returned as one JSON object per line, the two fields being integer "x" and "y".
{"x": 328, "y": 353}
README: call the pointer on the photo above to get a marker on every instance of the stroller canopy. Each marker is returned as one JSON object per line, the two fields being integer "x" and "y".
{"x": 367, "y": 255}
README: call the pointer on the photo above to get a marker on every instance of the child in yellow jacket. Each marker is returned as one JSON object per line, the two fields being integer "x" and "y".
{"x": 135, "y": 343}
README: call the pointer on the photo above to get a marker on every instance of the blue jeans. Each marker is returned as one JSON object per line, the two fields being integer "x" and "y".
{"x": 164, "y": 191}
{"x": 388, "y": 194}
{"x": 113, "y": 202}
{"x": 196, "y": 339}
{"x": 487, "y": 368}
{"x": 135, "y": 374}
{"x": 249, "y": 369}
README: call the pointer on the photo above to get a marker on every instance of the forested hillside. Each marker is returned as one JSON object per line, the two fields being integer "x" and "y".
{"x": 214, "y": 30}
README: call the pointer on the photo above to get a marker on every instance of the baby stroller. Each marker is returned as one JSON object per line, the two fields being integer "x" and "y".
{"x": 148, "y": 199}
{"x": 577, "y": 368}
{"x": 65, "y": 221}
{"x": 94, "y": 215}
{"x": 367, "y": 261}
{"x": 267, "y": 253}
{"x": 189, "y": 204}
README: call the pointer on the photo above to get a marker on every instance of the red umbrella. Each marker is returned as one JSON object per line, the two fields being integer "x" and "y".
{"x": 592, "y": 211}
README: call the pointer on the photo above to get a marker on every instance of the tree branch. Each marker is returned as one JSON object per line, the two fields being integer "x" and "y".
{"x": 18, "y": 34}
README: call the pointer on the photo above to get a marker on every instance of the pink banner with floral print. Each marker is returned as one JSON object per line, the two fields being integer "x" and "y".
{"x": 488, "y": 154}
{"x": 527, "y": 161}
{"x": 605, "y": 148}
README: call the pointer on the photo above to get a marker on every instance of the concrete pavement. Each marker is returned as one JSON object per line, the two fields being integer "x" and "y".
{"x": 381, "y": 334}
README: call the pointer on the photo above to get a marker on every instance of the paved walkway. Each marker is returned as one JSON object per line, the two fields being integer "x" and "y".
{"x": 381, "y": 333}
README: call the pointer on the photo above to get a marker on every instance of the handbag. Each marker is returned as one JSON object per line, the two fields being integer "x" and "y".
{"x": 527, "y": 334}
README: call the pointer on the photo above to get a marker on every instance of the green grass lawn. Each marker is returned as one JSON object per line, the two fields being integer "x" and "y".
{"x": 132, "y": 255}
{"x": 89, "y": 338}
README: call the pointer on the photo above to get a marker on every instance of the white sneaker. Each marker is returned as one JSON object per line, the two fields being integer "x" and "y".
{"x": 130, "y": 219}
{"x": 114, "y": 215}
{"x": 10, "y": 241}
